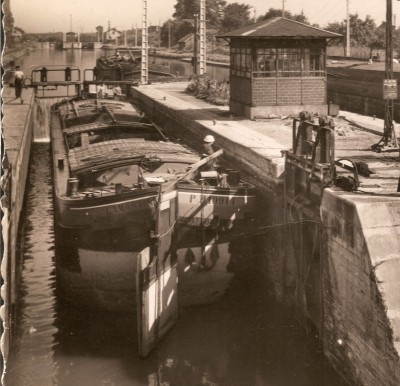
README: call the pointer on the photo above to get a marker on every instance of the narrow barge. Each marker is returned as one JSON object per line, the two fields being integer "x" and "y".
{"x": 120, "y": 187}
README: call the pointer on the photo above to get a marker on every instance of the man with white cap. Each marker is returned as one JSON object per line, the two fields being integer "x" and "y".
{"x": 208, "y": 142}
{"x": 208, "y": 149}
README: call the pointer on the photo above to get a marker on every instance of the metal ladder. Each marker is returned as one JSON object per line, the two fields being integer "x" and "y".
{"x": 145, "y": 46}
{"x": 202, "y": 69}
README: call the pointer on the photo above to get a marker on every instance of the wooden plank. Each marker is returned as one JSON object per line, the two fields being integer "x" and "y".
{"x": 205, "y": 160}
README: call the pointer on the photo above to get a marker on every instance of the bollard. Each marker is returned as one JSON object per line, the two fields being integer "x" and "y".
{"x": 72, "y": 187}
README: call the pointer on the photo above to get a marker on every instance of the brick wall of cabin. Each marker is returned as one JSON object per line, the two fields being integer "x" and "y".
{"x": 264, "y": 91}
{"x": 240, "y": 90}
{"x": 314, "y": 91}
{"x": 281, "y": 91}
{"x": 288, "y": 91}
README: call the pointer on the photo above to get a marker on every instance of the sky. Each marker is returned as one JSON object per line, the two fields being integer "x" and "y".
{"x": 56, "y": 15}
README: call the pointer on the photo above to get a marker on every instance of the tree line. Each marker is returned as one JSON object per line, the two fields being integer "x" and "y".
{"x": 222, "y": 17}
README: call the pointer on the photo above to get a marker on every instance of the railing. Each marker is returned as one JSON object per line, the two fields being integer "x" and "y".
{"x": 41, "y": 76}
{"x": 55, "y": 78}
{"x": 60, "y": 79}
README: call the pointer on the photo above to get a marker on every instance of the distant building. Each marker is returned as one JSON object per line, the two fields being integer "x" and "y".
{"x": 186, "y": 43}
{"x": 112, "y": 35}
{"x": 70, "y": 37}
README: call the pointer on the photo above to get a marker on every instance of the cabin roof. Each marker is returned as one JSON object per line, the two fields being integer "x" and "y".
{"x": 279, "y": 27}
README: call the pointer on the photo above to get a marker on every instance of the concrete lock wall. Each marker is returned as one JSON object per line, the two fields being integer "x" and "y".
{"x": 361, "y": 287}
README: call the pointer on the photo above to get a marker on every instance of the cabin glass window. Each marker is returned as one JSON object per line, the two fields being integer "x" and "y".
{"x": 241, "y": 62}
{"x": 317, "y": 62}
{"x": 265, "y": 63}
{"x": 289, "y": 62}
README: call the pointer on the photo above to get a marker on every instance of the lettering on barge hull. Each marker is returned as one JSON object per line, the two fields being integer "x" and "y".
{"x": 206, "y": 205}
{"x": 111, "y": 214}
{"x": 130, "y": 205}
{"x": 214, "y": 199}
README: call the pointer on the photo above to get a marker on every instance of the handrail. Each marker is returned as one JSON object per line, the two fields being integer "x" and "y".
{"x": 43, "y": 72}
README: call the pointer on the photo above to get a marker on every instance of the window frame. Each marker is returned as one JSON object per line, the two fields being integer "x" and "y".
{"x": 278, "y": 61}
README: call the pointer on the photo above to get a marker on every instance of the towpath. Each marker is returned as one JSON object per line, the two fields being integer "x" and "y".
{"x": 15, "y": 120}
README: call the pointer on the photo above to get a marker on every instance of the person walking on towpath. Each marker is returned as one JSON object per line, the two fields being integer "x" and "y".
{"x": 18, "y": 82}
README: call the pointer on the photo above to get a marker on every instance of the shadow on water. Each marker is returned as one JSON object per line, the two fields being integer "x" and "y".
{"x": 240, "y": 341}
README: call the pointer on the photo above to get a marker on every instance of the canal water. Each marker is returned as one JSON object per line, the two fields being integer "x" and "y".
{"x": 240, "y": 340}
{"x": 86, "y": 59}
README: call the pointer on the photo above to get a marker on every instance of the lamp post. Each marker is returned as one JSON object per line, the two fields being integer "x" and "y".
{"x": 348, "y": 29}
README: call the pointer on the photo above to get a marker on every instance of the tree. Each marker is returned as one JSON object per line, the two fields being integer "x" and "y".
{"x": 338, "y": 27}
{"x": 176, "y": 29}
{"x": 185, "y": 9}
{"x": 214, "y": 9}
{"x": 362, "y": 32}
{"x": 8, "y": 21}
{"x": 235, "y": 15}
{"x": 274, "y": 12}
{"x": 377, "y": 41}
{"x": 300, "y": 17}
